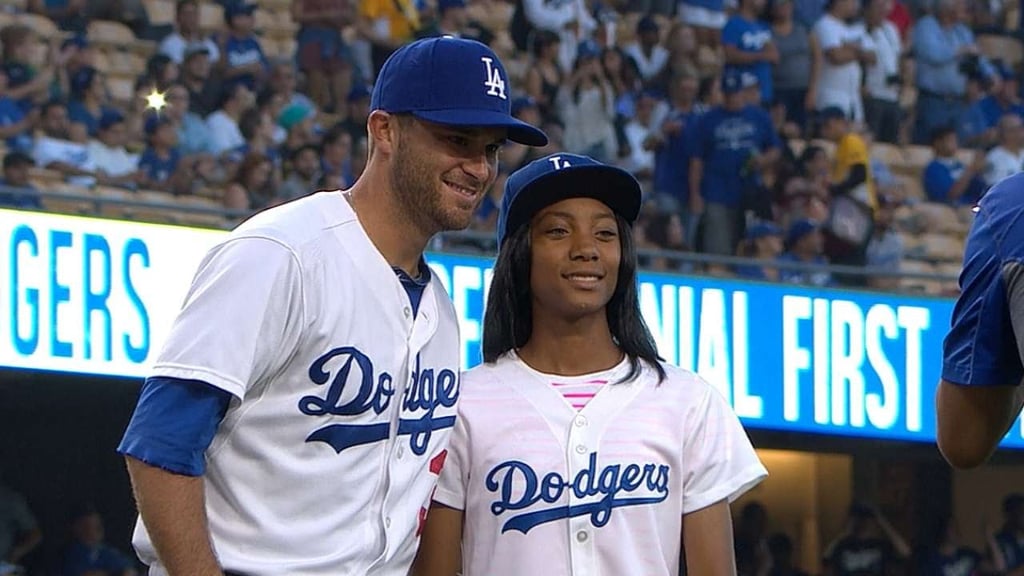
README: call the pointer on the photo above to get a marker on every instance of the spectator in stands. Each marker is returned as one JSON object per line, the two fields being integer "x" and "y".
{"x": 114, "y": 164}
{"x": 571, "y": 20}
{"x": 946, "y": 179}
{"x": 89, "y": 554}
{"x": 802, "y": 199}
{"x": 808, "y": 12}
{"x": 805, "y": 245}
{"x": 358, "y": 103}
{"x": 973, "y": 128}
{"x": 336, "y": 157}
{"x": 869, "y": 546}
{"x": 732, "y": 142}
{"x": 762, "y": 241}
{"x": 25, "y": 84}
{"x": 193, "y": 135}
{"x": 163, "y": 71}
{"x": 161, "y": 164}
{"x": 749, "y": 47}
{"x": 845, "y": 49}
{"x": 641, "y": 138}
{"x": 664, "y": 231}
{"x": 19, "y": 529}
{"x": 75, "y": 54}
{"x": 69, "y": 15}
{"x": 204, "y": 91}
{"x": 257, "y": 127}
{"x": 303, "y": 173}
{"x": 586, "y": 107}
{"x": 683, "y": 51}
{"x": 624, "y": 78}
{"x": 544, "y": 75}
{"x": 187, "y": 33}
{"x": 243, "y": 59}
{"x": 671, "y": 164}
{"x": 514, "y": 155}
{"x": 53, "y": 149}
{"x": 253, "y": 185}
{"x": 386, "y": 25}
{"x": 707, "y": 17}
{"x": 946, "y": 554}
{"x": 282, "y": 81}
{"x": 16, "y": 191}
{"x": 945, "y": 54}
{"x": 323, "y": 56}
{"x": 852, "y": 179}
{"x": 750, "y": 540}
{"x": 780, "y": 547}
{"x": 15, "y": 123}
{"x": 297, "y": 122}
{"x": 222, "y": 124}
{"x": 815, "y": 165}
{"x": 1007, "y": 158}
{"x": 1004, "y": 98}
{"x": 451, "y": 20}
{"x": 882, "y": 80}
{"x": 797, "y": 68}
{"x": 1007, "y": 547}
{"x": 648, "y": 53}
{"x": 88, "y": 104}
{"x": 885, "y": 250}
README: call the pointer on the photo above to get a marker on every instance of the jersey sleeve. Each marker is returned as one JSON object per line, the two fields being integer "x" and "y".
{"x": 720, "y": 462}
{"x": 241, "y": 319}
{"x": 454, "y": 477}
{"x": 982, "y": 347}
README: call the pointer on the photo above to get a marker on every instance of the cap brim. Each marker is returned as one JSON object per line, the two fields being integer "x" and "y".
{"x": 615, "y": 187}
{"x": 518, "y": 131}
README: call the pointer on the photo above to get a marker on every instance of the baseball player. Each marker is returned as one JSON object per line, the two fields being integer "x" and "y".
{"x": 980, "y": 395}
{"x": 297, "y": 417}
{"x": 576, "y": 450}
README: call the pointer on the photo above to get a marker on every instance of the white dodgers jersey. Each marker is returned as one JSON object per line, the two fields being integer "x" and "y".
{"x": 344, "y": 400}
{"x": 547, "y": 489}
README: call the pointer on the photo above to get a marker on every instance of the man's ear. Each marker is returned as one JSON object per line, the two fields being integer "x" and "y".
{"x": 382, "y": 128}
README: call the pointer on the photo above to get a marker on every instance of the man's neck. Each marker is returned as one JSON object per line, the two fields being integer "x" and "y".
{"x": 389, "y": 228}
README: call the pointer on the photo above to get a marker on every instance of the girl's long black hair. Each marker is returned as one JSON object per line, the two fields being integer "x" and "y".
{"x": 508, "y": 320}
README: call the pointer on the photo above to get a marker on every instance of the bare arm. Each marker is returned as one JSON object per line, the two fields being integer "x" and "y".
{"x": 973, "y": 419}
{"x": 842, "y": 54}
{"x": 26, "y": 544}
{"x": 440, "y": 552}
{"x": 173, "y": 508}
{"x": 733, "y": 55}
{"x": 707, "y": 540}
{"x": 696, "y": 174}
{"x": 899, "y": 544}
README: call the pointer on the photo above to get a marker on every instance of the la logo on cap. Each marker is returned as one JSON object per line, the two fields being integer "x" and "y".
{"x": 558, "y": 163}
{"x": 494, "y": 82}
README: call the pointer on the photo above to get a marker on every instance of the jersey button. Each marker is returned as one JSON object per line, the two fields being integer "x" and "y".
{"x": 581, "y": 421}
{"x": 387, "y": 522}
{"x": 582, "y": 536}
{"x": 407, "y": 311}
{"x": 400, "y": 452}
{"x": 581, "y": 449}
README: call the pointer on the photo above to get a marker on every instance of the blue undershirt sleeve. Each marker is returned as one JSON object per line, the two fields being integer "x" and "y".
{"x": 174, "y": 423}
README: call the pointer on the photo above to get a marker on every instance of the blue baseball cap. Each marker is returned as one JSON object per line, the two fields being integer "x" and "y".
{"x": 561, "y": 176}
{"x": 799, "y": 229}
{"x": 732, "y": 82}
{"x": 451, "y": 81}
{"x": 238, "y": 9}
{"x": 763, "y": 230}
{"x": 154, "y": 122}
{"x": 110, "y": 117}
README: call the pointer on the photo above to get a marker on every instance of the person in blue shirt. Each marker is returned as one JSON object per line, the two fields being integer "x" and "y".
{"x": 972, "y": 124}
{"x": 160, "y": 161}
{"x": 88, "y": 103}
{"x": 244, "y": 59}
{"x": 88, "y": 554}
{"x": 946, "y": 179}
{"x": 1007, "y": 545}
{"x": 748, "y": 46}
{"x": 805, "y": 244}
{"x": 980, "y": 394}
{"x": 15, "y": 123}
{"x": 947, "y": 555}
{"x": 763, "y": 241}
{"x": 671, "y": 163}
{"x": 732, "y": 143}
{"x": 15, "y": 189}
{"x": 1004, "y": 99}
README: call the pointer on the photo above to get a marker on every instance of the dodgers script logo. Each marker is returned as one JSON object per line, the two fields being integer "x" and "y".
{"x": 427, "y": 390}
{"x": 519, "y": 488}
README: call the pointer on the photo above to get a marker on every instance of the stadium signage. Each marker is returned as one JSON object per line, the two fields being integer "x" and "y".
{"x": 98, "y": 296}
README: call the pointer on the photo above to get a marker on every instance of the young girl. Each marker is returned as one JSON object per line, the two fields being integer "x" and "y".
{"x": 576, "y": 451}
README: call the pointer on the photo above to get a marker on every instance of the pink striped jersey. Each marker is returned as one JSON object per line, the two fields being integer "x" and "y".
{"x": 579, "y": 390}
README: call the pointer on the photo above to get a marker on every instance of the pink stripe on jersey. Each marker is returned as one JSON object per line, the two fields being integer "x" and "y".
{"x": 578, "y": 394}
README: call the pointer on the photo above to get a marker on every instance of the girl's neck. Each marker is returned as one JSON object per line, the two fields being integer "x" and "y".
{"x": 571, "y": 348}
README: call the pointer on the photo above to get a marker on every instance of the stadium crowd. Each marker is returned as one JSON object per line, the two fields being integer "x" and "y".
{"x": 788, "y": 131}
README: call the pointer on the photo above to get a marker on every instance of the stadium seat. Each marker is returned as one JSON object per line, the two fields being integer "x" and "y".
{"x": 121, "y": 88}
{"x": 42, "y": 25}
{"x": 1005, "y": 48}
{"x": 79, "y": 200}
{"x": 160, "y": 12}
{"x": 211, "y": 17}
{"x": 938, "y": 217}
{"x": 940, "y": 247}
